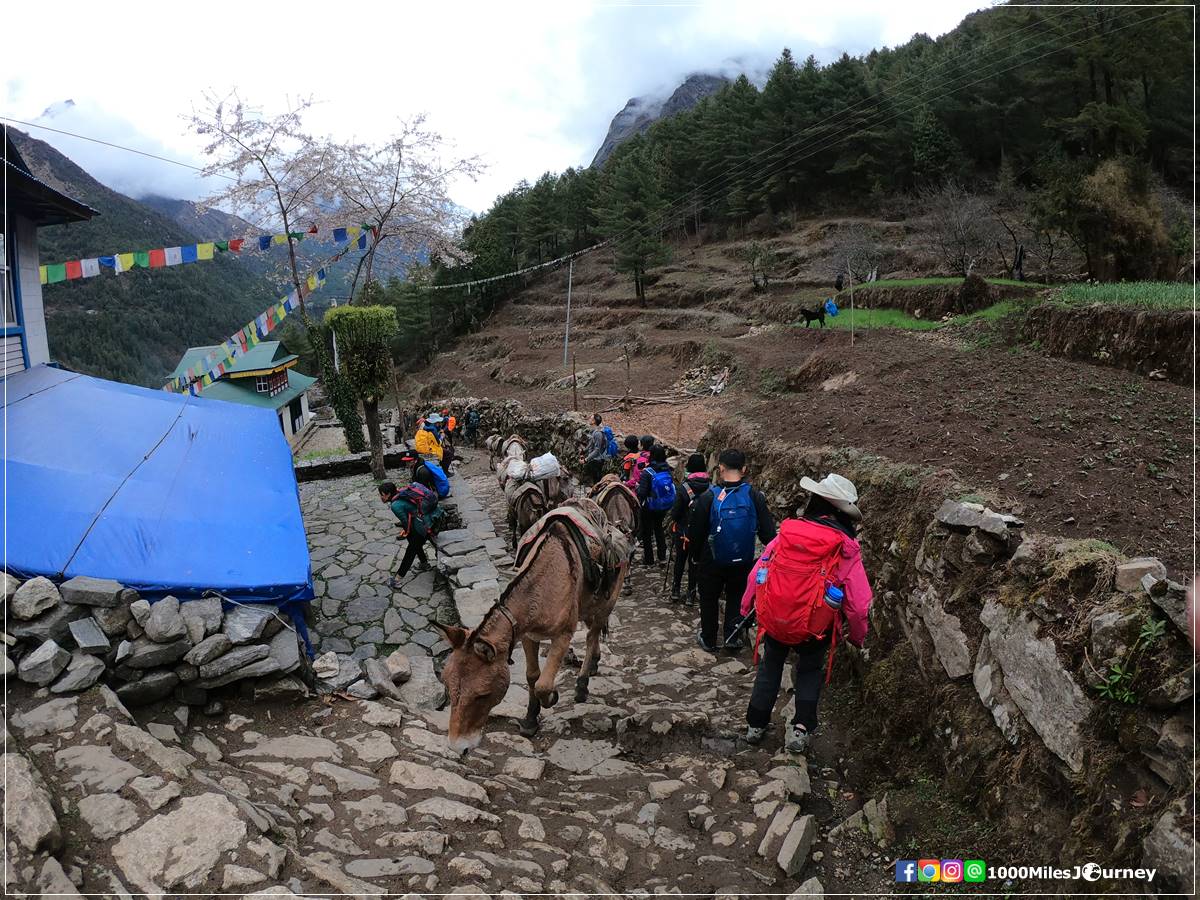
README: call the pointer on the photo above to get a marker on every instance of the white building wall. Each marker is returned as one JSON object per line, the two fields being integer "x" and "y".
{"x": 32, "y": 312}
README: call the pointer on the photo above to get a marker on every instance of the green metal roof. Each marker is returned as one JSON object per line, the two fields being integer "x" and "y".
{"x": 242, "y": 391}
{"x": 266, "y": 355}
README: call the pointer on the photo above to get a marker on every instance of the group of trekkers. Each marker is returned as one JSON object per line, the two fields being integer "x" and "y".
{"x": 429, "y": 464}
{"x": 802, "y": 593}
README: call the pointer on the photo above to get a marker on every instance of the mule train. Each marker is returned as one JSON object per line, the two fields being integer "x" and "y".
{"x": 570, "y": 568}
{"x": 528, "y": 492}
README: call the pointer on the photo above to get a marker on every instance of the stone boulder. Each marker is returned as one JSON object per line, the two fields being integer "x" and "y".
{"x": 202, "y": 617}
{"x": 1130, "y": 574}
{"x": 1171, "y": 848}
{"x": 89, "y": 637}
{"x": 33, "y": 598}
{"x": 30, "y": 816}
{"x": 84, "y": 591}
{"x": 165, "y": 624}
{"x": 44, "y": 664}
{"x": 8, "y": 586}
{"x": 82, "y": 672}
{"x": 53, "y": 624}
{"x": 1046, "y": 694}
{"x": 151, "y": 687}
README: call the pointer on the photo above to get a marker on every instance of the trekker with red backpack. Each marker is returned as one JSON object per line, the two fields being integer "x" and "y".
{"x": 416, "y": 508}
{"x": 808, "y": 589}
{"x": 656, "y": 491}
{"x": 722, "y": 526}
{"x": 635, "y": 463}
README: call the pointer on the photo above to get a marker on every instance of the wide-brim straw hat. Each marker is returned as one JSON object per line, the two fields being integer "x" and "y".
{"x": 434, "y": 419}
{"x": 839, "y": 491}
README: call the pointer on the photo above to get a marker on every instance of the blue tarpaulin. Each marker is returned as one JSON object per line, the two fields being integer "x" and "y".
{"x": 165, "y": 493}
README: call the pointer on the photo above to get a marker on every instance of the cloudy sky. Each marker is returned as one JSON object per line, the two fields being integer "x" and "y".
{"x": 527, "y": 86}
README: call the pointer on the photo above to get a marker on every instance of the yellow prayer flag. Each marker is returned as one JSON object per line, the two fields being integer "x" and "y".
{"x": 204, "y": 251}
{"x": 42, "y": 274}
{"x": 126, "y": 261}
{"x": 279, "y": 239}
{"x": 353, "y": 230}
{"x": 312, "y": 282}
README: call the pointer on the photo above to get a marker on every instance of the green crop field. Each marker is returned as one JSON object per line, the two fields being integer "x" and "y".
{"x": 1166, "y": 295}
{"x": 926, "y": 282}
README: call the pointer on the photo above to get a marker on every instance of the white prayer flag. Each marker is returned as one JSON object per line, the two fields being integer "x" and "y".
{"x": 174, "y": 256}
{"x": 91, "y": 267}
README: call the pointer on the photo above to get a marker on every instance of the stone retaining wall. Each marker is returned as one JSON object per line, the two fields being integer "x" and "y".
{"x": 988, "y": 651}
{"x": 68, "y": 637}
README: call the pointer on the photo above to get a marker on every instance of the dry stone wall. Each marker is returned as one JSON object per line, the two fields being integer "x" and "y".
{"x": 994, "y": 650}
{"x": 68, "y": 637}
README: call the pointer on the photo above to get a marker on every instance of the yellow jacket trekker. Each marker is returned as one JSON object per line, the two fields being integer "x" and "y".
{"x": 427, "y": 444}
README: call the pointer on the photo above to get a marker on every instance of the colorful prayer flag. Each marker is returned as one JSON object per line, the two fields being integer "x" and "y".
{"x": 312, "y": 229}
{"x": 42, "y": 274}
{"x": 204, "y": 251}
{"x": 339, "y": 234}
{"x": 173, "y": 256}
{"x": 188, "y": 254}
{"x": 236, "y": 245}
{"x": 158, "y": 258}
{"x": 279, "y": 238}
{"x": 125, "y": 261}
{"x": 312, "y": 282}
{"x": 264, "y": 241}
{"x": 141, "y": 259}
{"x": 56, "y": 273}
{"x": 353, "y": 230}
{"x": 91, "y": 267}
{"x": 362, "y": 242}
{"x": 74, "y": 270}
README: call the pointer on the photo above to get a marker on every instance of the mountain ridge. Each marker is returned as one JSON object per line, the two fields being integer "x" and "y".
{"x": 639, "y": 113}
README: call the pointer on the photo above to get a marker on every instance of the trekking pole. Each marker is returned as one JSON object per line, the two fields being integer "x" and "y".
{"x": 742, "y": 626}
{"x": 667, "y": 569}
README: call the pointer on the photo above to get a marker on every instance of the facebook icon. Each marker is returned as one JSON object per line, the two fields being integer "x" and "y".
{"x": 906, "y": 870}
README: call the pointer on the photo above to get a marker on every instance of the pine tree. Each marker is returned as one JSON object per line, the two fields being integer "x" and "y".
{"x": 631, "y": 210}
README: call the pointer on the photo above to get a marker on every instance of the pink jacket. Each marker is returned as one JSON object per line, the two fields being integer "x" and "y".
{"x": 849, "y": 574}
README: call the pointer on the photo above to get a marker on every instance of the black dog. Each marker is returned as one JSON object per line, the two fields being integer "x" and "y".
{"x": 811, "y": 315}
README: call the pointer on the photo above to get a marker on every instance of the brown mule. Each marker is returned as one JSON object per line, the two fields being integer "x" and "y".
{"x": 619, "y": 503}
{"x": 571, "y": 567}
{"x": 526, "y": 504}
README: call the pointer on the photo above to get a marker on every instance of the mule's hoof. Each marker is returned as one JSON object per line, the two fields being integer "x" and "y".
{"x": 528, "y": 728}
{"x": 548, "y": 699}
{"x": 581, "y": 694}
{"x": 594, "y": 668}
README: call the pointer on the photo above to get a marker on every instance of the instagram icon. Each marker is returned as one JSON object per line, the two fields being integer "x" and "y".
{"x": 952, "y": 870}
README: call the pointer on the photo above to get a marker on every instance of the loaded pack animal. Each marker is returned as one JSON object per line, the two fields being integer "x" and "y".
{"x": 506, "y": 454}
{"x": 529, "y": 500}
{"x": 813, "y": 315}
{"x": 619, "y": 503}
{"x": 571, "y": 566}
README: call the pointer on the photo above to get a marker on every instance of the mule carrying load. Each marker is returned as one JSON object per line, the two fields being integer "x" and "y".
{"x": 619, "y": 503}
{"x": 531, "y": 489}
{"x": 570, "y": 567}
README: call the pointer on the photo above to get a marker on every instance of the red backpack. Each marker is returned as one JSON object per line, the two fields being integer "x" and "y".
{"x": 790, "y": 605}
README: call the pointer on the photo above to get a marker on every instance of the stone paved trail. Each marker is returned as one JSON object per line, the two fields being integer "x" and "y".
{"x": 643, "y": 788}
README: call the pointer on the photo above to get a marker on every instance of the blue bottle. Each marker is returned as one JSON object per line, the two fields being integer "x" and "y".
{"x": 760, "y": 577}
{"x": 834, "y": 596}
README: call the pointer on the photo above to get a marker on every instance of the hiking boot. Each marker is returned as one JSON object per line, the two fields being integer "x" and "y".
{"x": 798, "y": 740}
{"x": 754, "y": 736}
{"x": 395, "y": 583}
{"x": 675, "y": 596}
{"x": 703, "y": 644}
{"x": 734, "y": 645}
{"x": 692, "y": 598}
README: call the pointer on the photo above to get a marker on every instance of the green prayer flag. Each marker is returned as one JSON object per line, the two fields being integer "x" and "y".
{"x": 56, "y": 273}
{"x": 141, "y": 259}
{"x": 223, "y": 246}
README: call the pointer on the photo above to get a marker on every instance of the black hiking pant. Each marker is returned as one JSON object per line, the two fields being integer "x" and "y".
{"x": 414, "y": 550}
{"x": 715, "y": 580}
{"x": 806, "y": 680}
{"x": 652, "y": 535}
{"x": 683, "y": 562}
{"x": 594, "y": 469}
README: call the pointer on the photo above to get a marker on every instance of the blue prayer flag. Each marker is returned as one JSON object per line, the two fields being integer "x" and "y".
{"x": 109, "y": 261}
{"x": 339, "y": 234}
{"x": 188, "y": 254}
{"x": 264, "y": 241}
{"x": 362, "y": 241}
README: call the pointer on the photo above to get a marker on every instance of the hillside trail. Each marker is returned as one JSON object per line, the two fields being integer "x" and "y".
{"x": 644, "y": 788}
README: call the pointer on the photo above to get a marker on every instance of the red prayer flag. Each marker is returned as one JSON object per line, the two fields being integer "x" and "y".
{"x": 74, "y": 269}
{"x": 313, "y": 230}
{"x": 158, "y": 258}
{"x": 236, "y": 245}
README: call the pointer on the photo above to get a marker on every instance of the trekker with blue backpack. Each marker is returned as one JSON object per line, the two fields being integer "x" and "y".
{"x": 656, "y": 491}
{"x": 722, "y": 528}
{"x": 416, "y": 508}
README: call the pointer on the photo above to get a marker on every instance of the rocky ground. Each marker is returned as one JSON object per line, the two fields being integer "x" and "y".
{"x": 643, "y": 788}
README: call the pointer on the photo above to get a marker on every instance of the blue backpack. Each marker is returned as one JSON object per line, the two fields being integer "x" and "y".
{"x": 732, "y": 525}
{"x": 831, "y": 308}
{"x": 610, "y": 446}
{"x": 662, "y": 491}
{"x": 440, "y": 481}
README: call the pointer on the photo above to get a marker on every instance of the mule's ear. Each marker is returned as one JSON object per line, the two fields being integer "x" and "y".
{"x": 456, "y": 636}
{"x": 483, "y": 650}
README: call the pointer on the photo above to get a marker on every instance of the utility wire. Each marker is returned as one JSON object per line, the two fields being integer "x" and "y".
{"x": 84, "y": 137}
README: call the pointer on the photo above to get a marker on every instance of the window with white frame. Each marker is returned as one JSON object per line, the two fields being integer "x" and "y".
{"x": 7, "y": 277}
